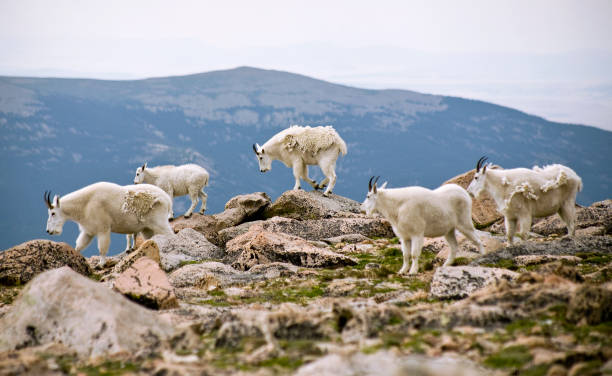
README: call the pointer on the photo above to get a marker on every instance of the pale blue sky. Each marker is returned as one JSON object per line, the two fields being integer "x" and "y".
{"x": 549, "y": 58}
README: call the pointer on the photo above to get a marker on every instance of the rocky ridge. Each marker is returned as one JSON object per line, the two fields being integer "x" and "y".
{"x": 307, "y": 285}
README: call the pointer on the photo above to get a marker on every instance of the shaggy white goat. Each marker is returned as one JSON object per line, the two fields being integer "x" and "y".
{"x": 522, "y": 194}
{"x": 299, "y": 147}
{"x": 416, "y": 212}
{"x": 102, "y": 208}
{"x": 188, "y": 179}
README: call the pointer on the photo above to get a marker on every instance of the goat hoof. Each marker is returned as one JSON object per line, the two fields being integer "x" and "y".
{"x": 187, "y": 216}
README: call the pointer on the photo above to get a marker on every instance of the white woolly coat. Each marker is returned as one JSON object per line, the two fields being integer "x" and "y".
{"x": 177, "y": 180}
{"x": 306, "y": 143}
{"x": 122, "y": 209}
{"x": 541, "y": 191}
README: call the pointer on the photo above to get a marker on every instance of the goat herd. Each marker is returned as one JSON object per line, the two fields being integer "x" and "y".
{"x": 414, "y": 212}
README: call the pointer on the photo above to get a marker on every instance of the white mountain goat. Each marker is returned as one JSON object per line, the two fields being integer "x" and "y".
{"x": 299, "y": 147}
{"x": 416, "y": 212}
{"x": 102, "y": 208}
{"x": 522, "y": 194}
{"x": 188, "y": 179}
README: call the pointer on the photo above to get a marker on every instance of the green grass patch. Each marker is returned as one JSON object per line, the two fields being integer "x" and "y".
{"x": 513, "y": 357}
{"x": 504, "y": 263}
{"x": 461, "y": 261}
{"x": 110, "y": 368}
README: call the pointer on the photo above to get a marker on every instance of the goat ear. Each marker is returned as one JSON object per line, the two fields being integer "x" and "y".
{"x": 56, "y": 202}
{"x": 384, "y": 185}
{"x": 484, "y": 169}
{"x": 144, "y": 166}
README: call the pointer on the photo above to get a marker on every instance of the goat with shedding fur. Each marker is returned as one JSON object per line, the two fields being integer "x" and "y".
{"x": 522, "y": 194}
{"x": 416, "y": 212}
{"x": 102, "y": 208}
{"x": 298, "y": 147}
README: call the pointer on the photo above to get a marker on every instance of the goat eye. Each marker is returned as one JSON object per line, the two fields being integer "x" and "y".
{"x": 52, "y": 214}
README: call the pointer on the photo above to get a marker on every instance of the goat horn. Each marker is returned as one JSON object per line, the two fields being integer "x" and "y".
{"x": 47, "y": 200}
{"x": 370, "y": 184}
{"x": 479, "y": 163}
{"x": 376, "y": 180}
{"x": 255, "y": 149}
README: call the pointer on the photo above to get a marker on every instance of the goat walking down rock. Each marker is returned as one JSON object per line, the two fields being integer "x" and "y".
{"x": 102, "y": 208}
{"x": 298, "y": 147}
{"x": 416, "y": 212}
{"x": 522, "y": 194}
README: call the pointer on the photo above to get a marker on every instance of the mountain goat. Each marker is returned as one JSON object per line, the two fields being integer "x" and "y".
{"x": 299, "y": 147}
{"x": 188, "y": 179}
{"x": 521, "y": 194}
{"x": 416, "y": 212}
{"x": 102, "y": 208}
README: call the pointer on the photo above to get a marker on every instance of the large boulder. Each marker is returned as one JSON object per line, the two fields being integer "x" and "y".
{"x": 597, "y": 217}
{"x": 62, "y": 306}
{"x": 209, "y": 276}
{"x": 145, "y": 283}
{"x": 187, "y": 245}
{"x": 230, "y": 233}
{"x": 467, "y": 249}
{"x": 21, "y": 263}
{"x": 389, "y": 363}
{"x": 462, "y": 281}
{"x": 299, "y": 204}
{"x": 238, "y": 209}
{"x": 242, "y": 208}
{"x": 259, "y": 246}
{"x": 563, "y": 246}
{"x": 148, "y": 249}
{"x": 484, "y": 210}
{"x": 321, "y": 229}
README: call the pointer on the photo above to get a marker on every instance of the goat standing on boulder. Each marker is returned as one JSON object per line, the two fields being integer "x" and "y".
{"x": 189, "y": 179}
{"x": 522, "y": 194}
{"x": 299, "y": 147}
{"x": 416, "y": 212}
{"x": 102, "y": 208}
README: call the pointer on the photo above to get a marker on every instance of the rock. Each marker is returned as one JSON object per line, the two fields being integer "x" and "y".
{"x": 274, "y": 270}
{"x": 348, "y": 238}
{"x": 29, "y": 362}
{"x": 484, "y": 209}
{"x": 591, "y": 303}
{"x": 147, "y": 249}
{"x": 206, "y": 225}
{"x": 242, "y": 208}
{"x": 326, "y": 228}
{"x": 21, "y": 263}
{"x": 467, "y": 249}
{"x": 259, "y": 246}
{"x": 389, "y": 363}
{"x": 187, "y": 245}
{"x": 563, "y": 246}
{"x": 64, "y": 307}
{"x": 462, "y": 281}
{"x": 209, "y": 276}
{"x": 303, "y": 205}
{"x": 597, "y": 216}
{"x": 230, "y": 233}
{"x": 145, "y": 283}
{"x": 542, "y": 259}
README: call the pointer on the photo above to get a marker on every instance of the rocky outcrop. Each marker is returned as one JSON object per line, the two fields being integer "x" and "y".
{"x": 327, "y": 228}
{"x": 145, "y": 283}
{"x": 208, "y": 276}
{"x": 563, "y": 246}
{"x": 259, "y": 246}
{"x": 187, "y": 245}
{"x": 461, "y": 281}
{"x": 484, "y": 210}
{"x": 597, "y": 218}
{"x": 64, "y": 307}
{"x": 467, "y": 249}
{"x": 147, "y": 249}
{"x": 230, "y": 233}
{"x": 390, "y": 363}
{"x": 20, "y": 264}
{"x": 242, "y": 208}
{"x": 239, "y": 209}
{"x": 301, "y": 205}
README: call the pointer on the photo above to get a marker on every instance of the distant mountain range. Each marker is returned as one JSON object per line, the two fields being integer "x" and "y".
{"x": 62, "y": 134}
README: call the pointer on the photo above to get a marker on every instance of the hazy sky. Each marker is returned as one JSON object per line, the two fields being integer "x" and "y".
{"x": 549, "y": 58}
